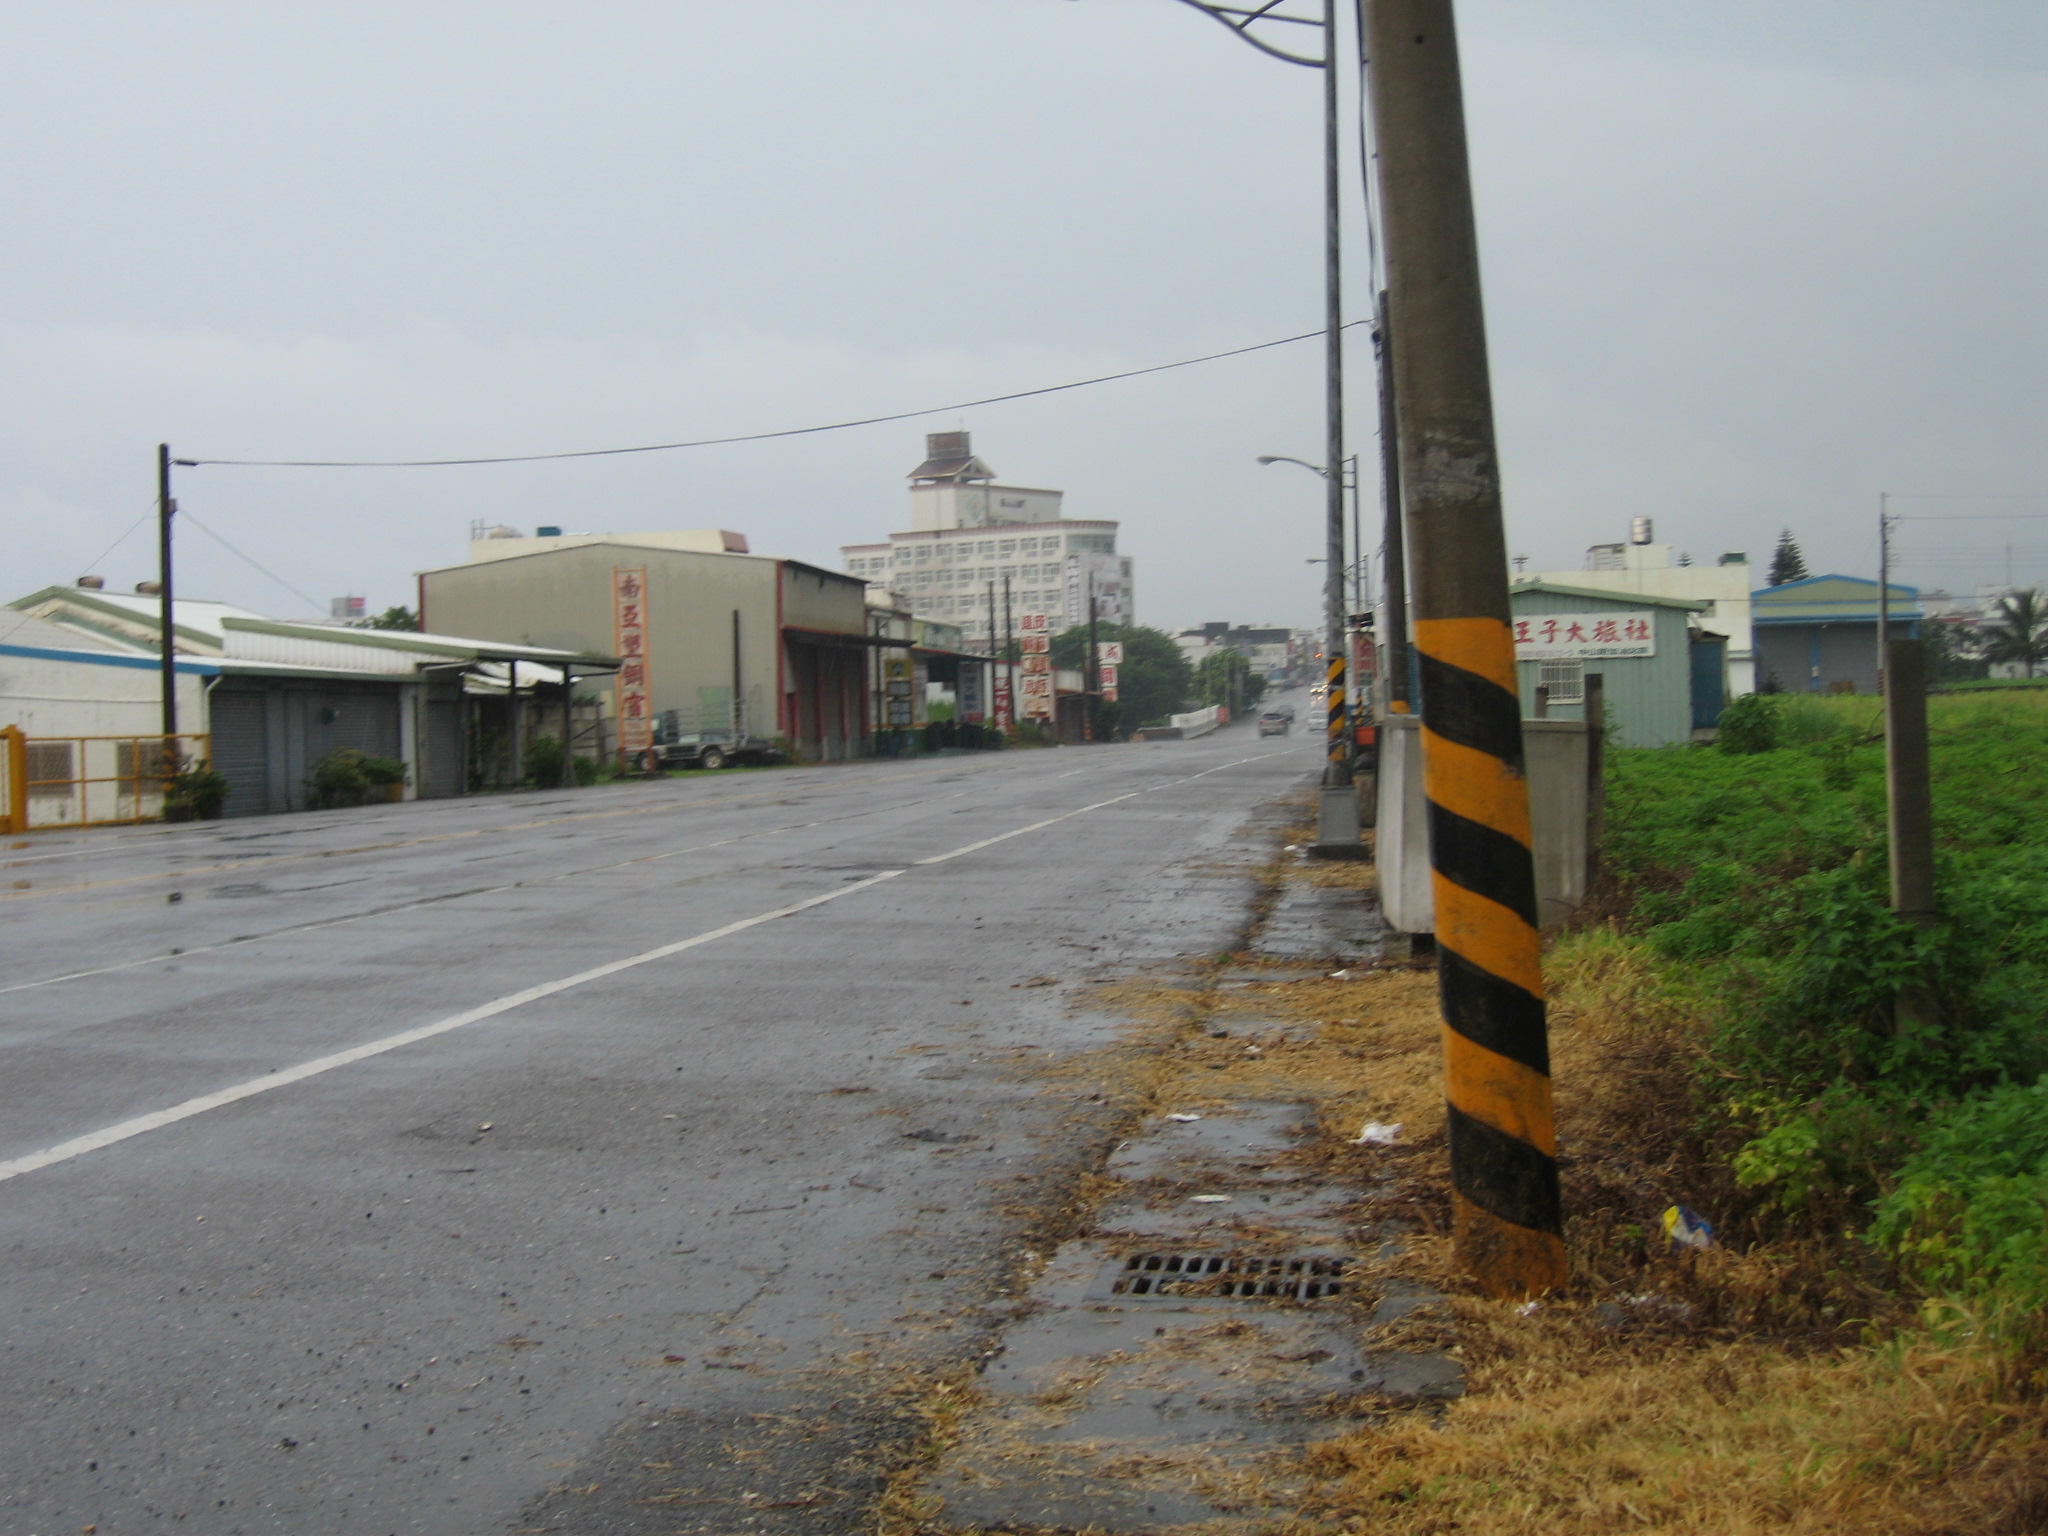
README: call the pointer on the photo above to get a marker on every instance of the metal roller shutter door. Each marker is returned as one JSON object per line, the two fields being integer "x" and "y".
{"x": 241, "y": 752}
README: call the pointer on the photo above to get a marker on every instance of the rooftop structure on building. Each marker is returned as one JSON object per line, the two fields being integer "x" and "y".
{"x": 1273, "y": 651}
{"x": 1642, "y": 567}
{"x": 984, "y": 555}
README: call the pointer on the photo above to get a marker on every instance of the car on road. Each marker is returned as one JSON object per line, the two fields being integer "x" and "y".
{"x": 1285, "y": 711}
{"x": 1273, "y": 723}
{"x": 715, "y": 749}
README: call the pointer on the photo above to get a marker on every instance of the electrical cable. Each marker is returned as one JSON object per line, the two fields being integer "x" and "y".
{"x": 23, "y": 621}
{"x": 310, "y": 602}
{"x": 755, "y": 437}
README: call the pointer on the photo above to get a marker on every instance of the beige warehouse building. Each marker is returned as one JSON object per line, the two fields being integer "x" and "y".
{"x": 773, "y": 646}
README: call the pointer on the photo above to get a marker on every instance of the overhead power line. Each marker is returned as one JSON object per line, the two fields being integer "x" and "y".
{"x": 757, "y": 437}
{"x": 250, "y": 561}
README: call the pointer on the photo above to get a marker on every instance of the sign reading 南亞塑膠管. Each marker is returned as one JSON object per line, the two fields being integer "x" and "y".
{"x": 629, "y": 641}
{"x": 1585, "y": 636}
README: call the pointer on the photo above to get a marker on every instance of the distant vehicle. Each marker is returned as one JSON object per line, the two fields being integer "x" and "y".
{"x": 1285, "y": 711}
{"x": 1273, "y": 723}
{"x": 715, "y": 749}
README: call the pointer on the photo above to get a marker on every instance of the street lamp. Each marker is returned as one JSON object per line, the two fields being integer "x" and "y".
{"x": 1360, "y": 563}
{"x": 1264, "y": 25}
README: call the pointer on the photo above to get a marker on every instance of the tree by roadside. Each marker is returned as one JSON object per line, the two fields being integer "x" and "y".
{"x": 2017, "y": 632}
{"x": 1955, "y": 651}
{"x": 1225, "y": 677}
{"x": 395, "y": 617}
{"x": 1154, "y": 680}
{"x": 1787, "y": 563}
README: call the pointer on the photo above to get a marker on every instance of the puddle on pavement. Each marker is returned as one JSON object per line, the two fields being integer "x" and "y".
{"x": 1244, "y": 1141}
{"x": 1318, "y": 922}
{"x": 1115, "y": 1407}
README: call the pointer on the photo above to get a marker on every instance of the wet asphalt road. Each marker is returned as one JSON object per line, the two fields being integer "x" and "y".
{"x": 348, "y": 1218}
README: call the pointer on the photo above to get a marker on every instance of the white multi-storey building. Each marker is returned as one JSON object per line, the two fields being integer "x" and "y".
{"x": 968, "y": 537}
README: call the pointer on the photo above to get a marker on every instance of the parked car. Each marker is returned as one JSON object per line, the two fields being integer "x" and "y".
{"x": 1273, "y": 723}
{"x": 716, "y": 749}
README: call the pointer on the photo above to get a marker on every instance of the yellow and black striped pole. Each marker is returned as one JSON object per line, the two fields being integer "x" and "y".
{"x": 1339, "y": 748}
{"x": 1503, "y": 1145}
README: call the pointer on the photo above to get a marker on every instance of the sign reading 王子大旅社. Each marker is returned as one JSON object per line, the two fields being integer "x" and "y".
{"x": 1585, "y": 636}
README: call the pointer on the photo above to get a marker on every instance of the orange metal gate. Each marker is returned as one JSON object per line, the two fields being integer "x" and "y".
{"x": 89, "y": 781}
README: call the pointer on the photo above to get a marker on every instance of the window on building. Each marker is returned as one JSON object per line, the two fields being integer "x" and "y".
{"x": 1566, "y": 680}
{"x": 1009, "y": 549}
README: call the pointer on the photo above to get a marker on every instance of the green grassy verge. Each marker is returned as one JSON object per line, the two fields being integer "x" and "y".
{"x": 1755, "y": 881}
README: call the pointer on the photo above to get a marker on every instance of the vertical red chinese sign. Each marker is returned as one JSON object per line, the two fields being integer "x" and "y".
{"x": 629, "y": 644}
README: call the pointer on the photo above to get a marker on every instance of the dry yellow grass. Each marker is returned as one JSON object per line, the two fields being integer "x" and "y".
{"x": 1739, "y": 1392}
{"x": 1565, "y": 1431}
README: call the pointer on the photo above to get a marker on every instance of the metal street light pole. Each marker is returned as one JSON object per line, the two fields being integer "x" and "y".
{"x": 1245, "y": 19}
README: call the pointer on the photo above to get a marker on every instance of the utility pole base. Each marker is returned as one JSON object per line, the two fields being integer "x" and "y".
{"x": 1337, "y": 825}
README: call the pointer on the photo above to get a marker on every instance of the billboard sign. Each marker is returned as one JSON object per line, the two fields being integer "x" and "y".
{"x": 1036, "y": 630}
{"x": 1585, "y": 636}
{"x": 633, "y": 690}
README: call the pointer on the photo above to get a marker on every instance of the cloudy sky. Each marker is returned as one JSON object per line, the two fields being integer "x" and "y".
{"x": 1748, "y": 264}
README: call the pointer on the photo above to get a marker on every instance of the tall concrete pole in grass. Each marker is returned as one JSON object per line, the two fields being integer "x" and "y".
{"x": 1505, "y": 1204}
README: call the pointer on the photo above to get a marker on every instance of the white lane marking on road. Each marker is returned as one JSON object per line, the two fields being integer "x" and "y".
{"x": 78, "y": 1146}
{"x": 140, "y": 1125}
{"x": 357, "y": 917}
{"x": 1003, "y": 837}
{"x": 431, "y": 901}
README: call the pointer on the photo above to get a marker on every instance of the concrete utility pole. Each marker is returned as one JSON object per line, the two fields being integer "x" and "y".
{"x": 1091, "y": 679}
{"x": 1010, "y": 655}
{"x": 1909, "y": 792}
{"x": 1595, "y": 711}
{"x": 166, "y": 509}
{"x": 1506, "y": 1211}
{"x": 1884, "y": 585}
{"x": 1908, "y": 786}
{"x": 1338, "y": 818}
{"x": 1394, "y": 643}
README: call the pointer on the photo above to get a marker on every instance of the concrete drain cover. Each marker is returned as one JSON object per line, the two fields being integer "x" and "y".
{"x": 1219, "y": 1276}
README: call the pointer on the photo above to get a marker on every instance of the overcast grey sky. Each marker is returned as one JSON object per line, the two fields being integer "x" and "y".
{"x": 1748, "y": 263}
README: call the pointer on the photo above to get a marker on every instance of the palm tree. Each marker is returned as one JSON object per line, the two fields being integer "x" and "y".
{"x": 2018, "y": 631}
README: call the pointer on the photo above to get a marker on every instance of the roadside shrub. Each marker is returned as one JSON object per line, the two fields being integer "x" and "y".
{"x": 543, "y": 762}
{"x": 1749, "y": 725}
{"x": 1968, "y": 1215}
{"x": 347, "y": 777}
{"x": 1759, "y": 877}
{"x": 195, "y": 793}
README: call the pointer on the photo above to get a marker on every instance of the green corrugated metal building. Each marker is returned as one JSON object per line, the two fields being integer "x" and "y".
{"x": 1663, "y": 679}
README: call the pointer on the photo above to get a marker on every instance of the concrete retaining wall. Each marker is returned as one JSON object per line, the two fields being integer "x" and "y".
{"x": 1556, "y": 754}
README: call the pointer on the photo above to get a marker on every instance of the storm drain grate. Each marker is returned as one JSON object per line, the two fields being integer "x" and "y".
{"x": 1183, "y": 1276}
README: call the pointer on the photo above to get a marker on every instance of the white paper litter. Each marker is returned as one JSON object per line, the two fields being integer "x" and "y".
{"x": 1184, "y": 1119}
{"x": 1210, "y": 1199}
{"x": 1376, "y": 1134}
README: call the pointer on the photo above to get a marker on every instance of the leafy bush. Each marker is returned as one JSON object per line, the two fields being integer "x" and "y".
{"x": 347, "y": 777}
{"x": 1758, "y": 875}
{"x": 1749, "y": 725}
{"x": 1969, "y": 1213}
{"x": 195, "y": 793}
{"x": 543, "y": 763}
